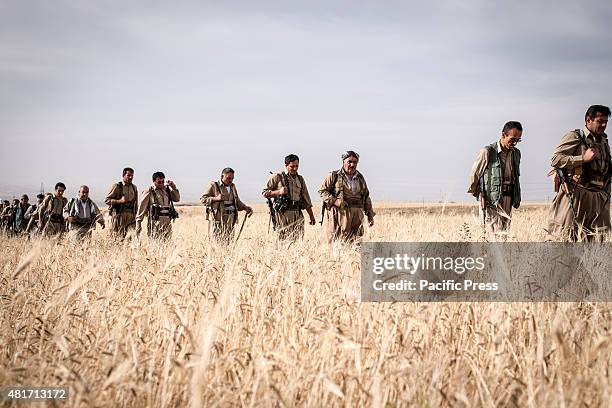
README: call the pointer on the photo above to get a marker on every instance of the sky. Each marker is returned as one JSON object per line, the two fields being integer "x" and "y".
{"x": 190, "y": 87}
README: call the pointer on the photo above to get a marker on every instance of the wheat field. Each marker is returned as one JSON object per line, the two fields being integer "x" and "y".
{"x": 264, "y": 323}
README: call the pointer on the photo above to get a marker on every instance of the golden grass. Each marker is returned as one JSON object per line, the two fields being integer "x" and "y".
{"x": 260, "y": 324}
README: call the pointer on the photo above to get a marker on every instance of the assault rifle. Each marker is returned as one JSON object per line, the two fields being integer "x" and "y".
{"x": 570, "y": 193}
{"x": 483, "y": 202}
{"x": 272, "y": 214}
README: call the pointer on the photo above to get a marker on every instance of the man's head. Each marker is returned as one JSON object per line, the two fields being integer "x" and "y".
{"x": 59, "y": 189}
{"x": 596, "y": 119}
{"x": 83, "y": 193}
{"x": 25, "y": 199}
{"x": 15, "y": 202}
{"x": 227, "y": 176}
{"x": 350, "y": 159}
{"x": 40, "y": 197}
{"x": 292, "y": 162}
{"x": 511, "y": 135}
{"x": 128, "y": 175}
{"x": 159, "y": 179}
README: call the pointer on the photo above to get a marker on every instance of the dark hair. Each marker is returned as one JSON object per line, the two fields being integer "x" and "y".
{"x": 60, "y": 184}
{"x": 125, "y": 170}
{"x": 596, "y": 110}
{"x": 158, "y": 174}
{"x": 227, "y": 170}
{"x": 512, "y": 125}
{"x": 40, "y": 195}
{"x": 25, "y": 196}
{"x": 291, "y": 158}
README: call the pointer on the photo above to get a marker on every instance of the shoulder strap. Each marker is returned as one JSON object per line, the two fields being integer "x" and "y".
{"x": 152, "y": 192}
{"x": 285, "y": 179}
{"x": 581, "y": 137}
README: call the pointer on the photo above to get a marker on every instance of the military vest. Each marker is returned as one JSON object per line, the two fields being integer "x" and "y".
{"x": 494, "y": 176}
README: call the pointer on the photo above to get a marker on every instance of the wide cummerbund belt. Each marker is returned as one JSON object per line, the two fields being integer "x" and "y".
{"x": 354, "y": 202}
{"x": 56, "y": 218}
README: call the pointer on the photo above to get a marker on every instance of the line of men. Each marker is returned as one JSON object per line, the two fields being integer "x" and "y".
{"x": 581, "y": 169}
{"x": 345, "y": 195}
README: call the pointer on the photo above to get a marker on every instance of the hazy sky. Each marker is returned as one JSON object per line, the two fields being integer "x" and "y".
{"x": 88, "y": 87}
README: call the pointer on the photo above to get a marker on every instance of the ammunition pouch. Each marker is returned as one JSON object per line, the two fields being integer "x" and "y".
{"x": 283, "y": 203}
{"x": 56, "y": 218}
{"x": 157, "y": 211}
{"x": 119, "y": 208}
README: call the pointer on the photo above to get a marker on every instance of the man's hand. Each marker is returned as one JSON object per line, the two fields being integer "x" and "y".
{"x": 312, "y": 220}
{"x": 338, "y": 202}
{"x": 122, "y": 200}
{"x": 218, "y": 197}
{"x": 171, "y": 184}
{"x": 590, "y": 155}
{"x": 249, "y": 211}
{"x": 268, "y": 194}
{"x": 71, "y": 219}
{"x": 282, "y": 191}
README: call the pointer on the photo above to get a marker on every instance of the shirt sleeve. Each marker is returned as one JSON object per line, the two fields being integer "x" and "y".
{"x": 307, "y": 202}
{"x": 272, "y": 183}
{"x": 368, "y": 209}
{"x": 143, "y": 207}
{"x": 564, "y": 156}
{"x": 113, "y": 195}
{"x": 208, "y": 195}
{"x": 325, "y": 191}
{"x": 239, "y": 204}
{"x": 478, "y": 169}
{"x": 174, "y": 195}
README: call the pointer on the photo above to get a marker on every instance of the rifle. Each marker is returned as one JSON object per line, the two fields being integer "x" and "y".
{"x": 483, "y": 202}
{"x": 570, "y": 193}
{"x": 322, "y": 212}
{"x": 272, "y": 214}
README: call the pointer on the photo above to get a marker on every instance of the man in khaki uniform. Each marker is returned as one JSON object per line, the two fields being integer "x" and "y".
{"x": 583, "y": 158}
{"x": 221, "y": 199}
{"x": 156, "y": 204}
{"x": 51, "y": 212}
{"x": 82, "y": 214}
{"x": 32, "y": 214}
{"x": 6, "y": 217}
{"x": 122, "y": 200}
{"x": 291, "y": 196}
{"x": 346, "y": 197}
{"x": 498, "y": 164}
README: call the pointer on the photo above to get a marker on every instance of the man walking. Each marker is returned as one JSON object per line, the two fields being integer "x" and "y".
{"x": 346, "y": 198}
{"x": 495, "y": 177}
{"x": 82, "y": 214}
{"x": 582, "y": 165}
{"x": 122, "y": 200}
{"x": 51, "y": 212}
{"x": 222, "y": 201}
{"x": 156, "y": 204}
{"x": 290, "y": 194}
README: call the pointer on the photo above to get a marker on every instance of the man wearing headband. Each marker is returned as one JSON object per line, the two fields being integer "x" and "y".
{"x": 495, "y": 178}
{"x": 291, "y": 196}
{"x": 346, "y": 197}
